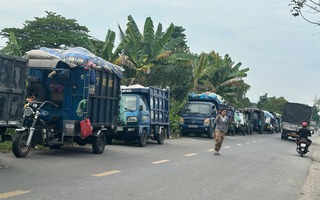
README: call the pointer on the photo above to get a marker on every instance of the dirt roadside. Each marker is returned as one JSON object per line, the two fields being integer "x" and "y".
{"x": 311, "y": 188}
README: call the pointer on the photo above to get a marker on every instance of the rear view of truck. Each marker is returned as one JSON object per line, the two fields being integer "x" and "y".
{"x": 294, "y": 114}
{"x": 13, "y": 75}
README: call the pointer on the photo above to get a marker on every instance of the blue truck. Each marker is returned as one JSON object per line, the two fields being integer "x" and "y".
{"x": 197, "y": 115}
{"x": 147, "y": 115}
{"x": 67, "y": 104}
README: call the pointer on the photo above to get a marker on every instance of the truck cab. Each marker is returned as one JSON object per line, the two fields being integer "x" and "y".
{"x": 198, "y": 115}
{"x": 147, "y": 114}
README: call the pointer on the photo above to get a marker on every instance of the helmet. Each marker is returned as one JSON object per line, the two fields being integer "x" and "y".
{"x": 304, "y": 124}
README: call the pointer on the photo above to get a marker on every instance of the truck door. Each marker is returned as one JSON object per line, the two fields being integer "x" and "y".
{"x": 144, "y": 116}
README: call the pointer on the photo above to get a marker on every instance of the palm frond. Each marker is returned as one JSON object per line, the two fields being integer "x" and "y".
{"x": 164, "y": 56}
{"x": 201, "y": 65}
{"x": 148, "y": 33}
{"x": 124, "y": 61}
{"x": 171, "y": 44}
{"x": 230, "y": 81}
{"x": 83, "y": 41}
{"x": 135, "y": 35}
{"x": 108, "y": 45}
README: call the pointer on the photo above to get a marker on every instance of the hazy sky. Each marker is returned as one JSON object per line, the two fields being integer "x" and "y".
{"x": 280, "y": 50}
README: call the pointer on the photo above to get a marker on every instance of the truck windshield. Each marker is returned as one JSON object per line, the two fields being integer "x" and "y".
{"x": 196, "y": 109}
{"x": 130, "y": 103}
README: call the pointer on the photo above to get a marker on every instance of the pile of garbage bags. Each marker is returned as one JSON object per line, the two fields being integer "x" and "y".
{"x": 76, "y": 56}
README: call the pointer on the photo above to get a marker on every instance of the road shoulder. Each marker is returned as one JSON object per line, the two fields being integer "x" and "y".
{"x": 311, "y": 188}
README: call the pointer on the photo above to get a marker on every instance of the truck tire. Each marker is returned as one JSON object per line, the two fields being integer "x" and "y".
{"x": 99, "y": 143}
{"x": 142, "y": 140}
{"x": 211, "y": 134}
{"x": 160, "y": 137}
{"x": 243, "y": 131}
{"x": 260, "y": 130}
{"x": 19, "y": 148}
{"x": 38, "y": 90}
{"x": 233, "y": 131}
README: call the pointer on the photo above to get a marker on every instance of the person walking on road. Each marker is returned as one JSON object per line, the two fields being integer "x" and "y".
{"x": 221, "y": 122}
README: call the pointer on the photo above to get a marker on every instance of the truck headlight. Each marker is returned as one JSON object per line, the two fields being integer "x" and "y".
{"x": 132, "y": 119}
{"x": 181, "y": 120}
{"x": 28, "y": 111}
{"x": 206, "y": 122}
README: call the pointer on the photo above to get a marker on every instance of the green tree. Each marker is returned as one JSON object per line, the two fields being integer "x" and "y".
{"x": 315, "y": 116}
{"x": 271, "y": 103}
{"x": 311, "y": 7}
{"x": 52, "y": 31}
{"x": 213, "y": 73}
{"x": 12, "y": 47}
{"x": 178, "y": 32}
{"x": 263, "y": 101}
{"x": 139, "y": 52}
{"x": 97, "y": 47}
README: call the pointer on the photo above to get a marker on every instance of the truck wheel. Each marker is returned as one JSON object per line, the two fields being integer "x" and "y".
{"x": 38, "y": 90}
{"x": 233, "y": 131}
{"x": 160, "y": 137}
{"x": 142, "y": 140}
{"x": 99, "y": 143}
{"x": 251, "y": 131}
{"x": 260, "y": 131}
{"x": 19, "y": 147}
{"x": 243, "y": 131}
{"x": 211, "y": 134}
{"x": 55, "y": 147}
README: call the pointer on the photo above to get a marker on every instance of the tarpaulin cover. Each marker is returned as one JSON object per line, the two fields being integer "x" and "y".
{"x": 267, "y": 114}
{"x": 295, "y": 113}
{"x": 81, "y": 56}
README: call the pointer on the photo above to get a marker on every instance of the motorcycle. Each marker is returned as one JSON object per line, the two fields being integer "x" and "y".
{"x": 36, "y": 121}
{"x": 302, "y": 147}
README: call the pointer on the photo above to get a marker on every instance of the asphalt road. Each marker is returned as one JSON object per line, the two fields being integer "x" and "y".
{"x": 250, "y": 167}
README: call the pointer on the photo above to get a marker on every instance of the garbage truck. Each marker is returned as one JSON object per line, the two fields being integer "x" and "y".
{"x": 68, "y": 99}
{"x": 197, "y": 115}
{"x": 294, "y": 114}
{"x": 147, "y": 114}
{"x": 13, "y": 75}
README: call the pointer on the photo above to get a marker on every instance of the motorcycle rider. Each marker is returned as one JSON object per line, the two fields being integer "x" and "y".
{"x": 304, "y": 133}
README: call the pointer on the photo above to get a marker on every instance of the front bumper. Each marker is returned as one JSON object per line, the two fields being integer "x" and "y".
{"x": 195, "y": 128}
{"x": 126, "y": 131}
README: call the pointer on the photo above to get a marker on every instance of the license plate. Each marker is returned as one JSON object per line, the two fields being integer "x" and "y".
{"x": 193, "y": 126}
{"x": 303, "y": 145}
{"x": 119, "y": 128}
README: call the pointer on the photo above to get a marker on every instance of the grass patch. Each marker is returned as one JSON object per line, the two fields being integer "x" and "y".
{"x": 6, "y": 146}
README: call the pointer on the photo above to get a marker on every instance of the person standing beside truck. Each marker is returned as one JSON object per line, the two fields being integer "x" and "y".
{"x": 221, "y": 122}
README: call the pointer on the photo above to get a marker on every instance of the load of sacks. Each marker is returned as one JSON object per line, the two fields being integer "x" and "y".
{"x": 208, "y": 95}
{"x": 76, "y": 56}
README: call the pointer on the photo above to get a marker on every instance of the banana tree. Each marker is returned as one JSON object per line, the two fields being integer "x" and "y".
{"x": 142, "y": 51}
{"x": 82, "y": 40}
{"x": 12, "y": 48}
{"x": 222, "y": 73}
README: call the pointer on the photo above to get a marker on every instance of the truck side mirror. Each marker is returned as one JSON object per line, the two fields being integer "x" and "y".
{"x": 214, "y": 112}
{"x": 140, "y": 107}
